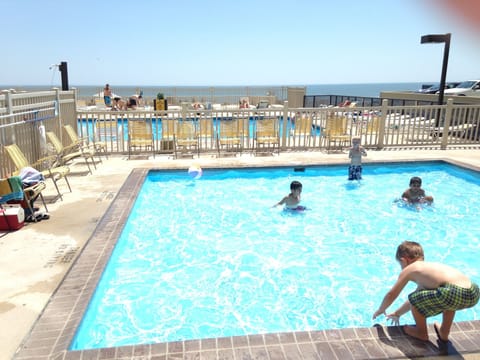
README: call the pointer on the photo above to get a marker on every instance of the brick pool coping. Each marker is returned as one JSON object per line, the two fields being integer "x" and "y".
{"x": 52, "y": 333}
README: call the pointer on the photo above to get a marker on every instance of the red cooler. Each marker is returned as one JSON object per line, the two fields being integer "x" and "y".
{"x": 11, "y": 218}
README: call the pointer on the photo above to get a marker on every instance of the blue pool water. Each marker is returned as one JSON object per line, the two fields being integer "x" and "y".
{"x": 211, "y": 257}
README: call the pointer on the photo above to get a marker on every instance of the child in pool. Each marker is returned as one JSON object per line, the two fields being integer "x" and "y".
{"x": 415, "y": 194}
{"x": 355, "y": 154}
{"x": 441, "y": 289}
{"x": 292, "y": 200}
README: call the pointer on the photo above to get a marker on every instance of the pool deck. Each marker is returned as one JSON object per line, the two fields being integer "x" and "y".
{"x": 49, "y": 270}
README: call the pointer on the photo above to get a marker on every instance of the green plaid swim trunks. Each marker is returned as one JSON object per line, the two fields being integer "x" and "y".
{"x": 446, "y": 297}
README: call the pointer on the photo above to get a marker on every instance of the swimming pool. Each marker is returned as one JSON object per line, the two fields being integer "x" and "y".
{"x": 313, "y": 271}
{"x": 86, "y": 126}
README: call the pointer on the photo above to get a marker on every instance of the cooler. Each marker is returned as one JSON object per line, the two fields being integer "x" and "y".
{"x": 11, "y": 217}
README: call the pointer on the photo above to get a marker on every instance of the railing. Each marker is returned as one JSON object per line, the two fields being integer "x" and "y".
{"x": 378, "y": 126}
{"x": 25, "y": 118}
{"x": 325, "y": 128}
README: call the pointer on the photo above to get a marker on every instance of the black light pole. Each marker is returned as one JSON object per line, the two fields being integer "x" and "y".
{"x": 433, "y": 39}
{"x": 64, "y": 72}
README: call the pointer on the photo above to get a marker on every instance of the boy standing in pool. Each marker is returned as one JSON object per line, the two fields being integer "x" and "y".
{"x": 440, "y": 289}
{"x": 415, "y": 194}
{"x": 292, "y": 200}
{"x": 355, "y": 154}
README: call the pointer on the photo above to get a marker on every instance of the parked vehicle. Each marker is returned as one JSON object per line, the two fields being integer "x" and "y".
{"x": 466, "y": 88}
{"x": 434, "y": 89}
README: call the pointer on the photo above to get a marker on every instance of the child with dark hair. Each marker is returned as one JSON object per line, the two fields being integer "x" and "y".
{"x": 415, "y": 194}
{"x": 292, "y": 200}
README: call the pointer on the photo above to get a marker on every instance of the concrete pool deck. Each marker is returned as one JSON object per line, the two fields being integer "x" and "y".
{"x": 36, "y": 258}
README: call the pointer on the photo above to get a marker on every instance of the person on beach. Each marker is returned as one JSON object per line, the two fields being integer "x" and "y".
{"x": 133, "y": 102}
{"x": 107, "y": 95}
{"x": 355, "y": 154}
{"x": 292, "y": 200}
{"x": 440, "y": 289}
{"x": 119, "y": 104}
{"x": 415, "y": 194}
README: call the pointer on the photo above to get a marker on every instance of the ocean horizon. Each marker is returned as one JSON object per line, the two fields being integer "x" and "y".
{"x": 364, "y": 90}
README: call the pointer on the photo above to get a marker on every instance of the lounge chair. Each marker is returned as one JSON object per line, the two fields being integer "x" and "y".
{"x": 167, "y": 142}
{"x": 231, "y": 134}
{"x": 13, "y": 191}
{"x": 186, "y": 138}
{"x": 65, "y": 157}
{"x": 206, "y": 135}
{"x": 267, "y": 135}
{"x": 303, "y": 130}
{"x": 336, "y": 132}
{"x": 81, "y": 143}
{"x": 45, "y": 165}
{"x": 140, "y": 135}
{"x": 107, "y": 134}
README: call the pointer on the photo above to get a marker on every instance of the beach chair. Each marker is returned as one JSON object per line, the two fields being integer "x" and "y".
{"x": 107, "y": 132}
{"x": 64, "y": 157}
{"x": 76, "y": 141}
{"x": 231, "y": 133}
{"x": 12, "y": 191}
{"x": 167, "y": 141}
{"x": 336, "y": 132}
{"x": 267, "y": 135}
{"x": 186, "y": 138}
{"x": 206, "y": 135}
{"x": 140, "y": 135}
{"x": 303, "y": 130}
{"x": 47, "y": 166}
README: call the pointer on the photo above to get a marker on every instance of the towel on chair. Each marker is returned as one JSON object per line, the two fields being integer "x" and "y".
{"x": 31, "y": 176}
{"x": 11, "y": 189}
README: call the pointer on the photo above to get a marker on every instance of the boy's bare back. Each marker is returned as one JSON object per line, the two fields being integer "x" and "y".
{"x": 429, "y": 275}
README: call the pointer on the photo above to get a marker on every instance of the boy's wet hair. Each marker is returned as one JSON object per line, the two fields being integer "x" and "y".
{"x": 416, "y": 180}
{"x": 409, "y": 250}
{"x": 295, "y": 185}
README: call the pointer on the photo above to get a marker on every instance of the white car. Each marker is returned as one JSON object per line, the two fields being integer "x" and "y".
{"x": 466, "y": 88}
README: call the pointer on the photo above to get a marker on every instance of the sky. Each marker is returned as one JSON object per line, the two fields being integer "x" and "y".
{"x": 222, "y": 42}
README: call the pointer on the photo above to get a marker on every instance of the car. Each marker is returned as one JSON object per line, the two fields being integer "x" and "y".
{"x": 434, "y": 89}
{"x": 466, "y": 88}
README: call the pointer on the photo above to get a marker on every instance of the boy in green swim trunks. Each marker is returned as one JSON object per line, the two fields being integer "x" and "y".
{"x": 441, "y": 289}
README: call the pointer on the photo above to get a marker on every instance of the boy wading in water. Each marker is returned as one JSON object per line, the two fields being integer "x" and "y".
{"x": 355, "y": 154}
{"x": 440, "y": 289}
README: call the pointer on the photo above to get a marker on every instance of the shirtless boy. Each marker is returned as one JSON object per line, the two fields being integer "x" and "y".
{"x": 440, "y": 289}
{"x": 355, "y": 154}
{"x": 292, "y": 200}
{"x": 415, "y": 194}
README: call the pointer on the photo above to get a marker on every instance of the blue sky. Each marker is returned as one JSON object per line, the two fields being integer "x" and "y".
{"x": 221, "y": 42}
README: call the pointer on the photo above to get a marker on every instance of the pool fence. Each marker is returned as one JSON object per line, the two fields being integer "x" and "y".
{"x": 214, "y": 129}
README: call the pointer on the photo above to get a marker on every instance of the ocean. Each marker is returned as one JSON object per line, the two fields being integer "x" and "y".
{"x": 364, "y": 90}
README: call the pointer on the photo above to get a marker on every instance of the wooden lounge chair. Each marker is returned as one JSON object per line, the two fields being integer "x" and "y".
{"x": 47, "y": 166}
{"x": 65, "y": 157}
{"x": 267, "y": 135}
{"x": 80, "y": 143}
{"x": 140, "y": 136}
